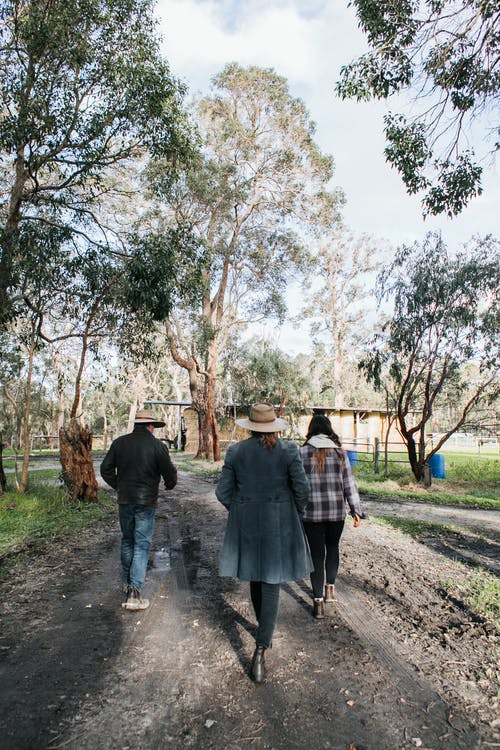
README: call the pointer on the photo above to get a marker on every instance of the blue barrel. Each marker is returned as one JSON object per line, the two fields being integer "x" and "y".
{"x": 353, "y": 457}
{"x": 436, "y": 464}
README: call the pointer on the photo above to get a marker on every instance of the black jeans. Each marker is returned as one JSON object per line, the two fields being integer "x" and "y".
{"x": 323, "y": 538}
{"x": 265, "y": 599}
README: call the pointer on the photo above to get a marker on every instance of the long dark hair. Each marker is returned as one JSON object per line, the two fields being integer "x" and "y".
{"x": 321, "y": 425}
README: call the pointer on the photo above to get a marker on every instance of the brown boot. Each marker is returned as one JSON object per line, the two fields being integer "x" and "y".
{"x": 135, "y": 600}
{"x": 258, "y": 668}
{"x": 319, "y": 609}
{"x": 329, "y": 592}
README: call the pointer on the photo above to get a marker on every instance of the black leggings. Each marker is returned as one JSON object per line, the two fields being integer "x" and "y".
{"x": 265, "y": 599}
{"x": 323, "y": 538}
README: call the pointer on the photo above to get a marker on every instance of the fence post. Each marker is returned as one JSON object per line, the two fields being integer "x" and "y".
{"x": 427, "y": 475}
{"x": 376, "y": 456}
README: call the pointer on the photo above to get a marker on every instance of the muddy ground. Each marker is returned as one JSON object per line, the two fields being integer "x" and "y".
{"x": 396, "y": 664}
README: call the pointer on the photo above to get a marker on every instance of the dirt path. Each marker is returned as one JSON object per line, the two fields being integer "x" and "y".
{"x": 395, "y": 664}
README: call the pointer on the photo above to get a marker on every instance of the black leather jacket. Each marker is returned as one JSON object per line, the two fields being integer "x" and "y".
{"x": 134, "y": 466}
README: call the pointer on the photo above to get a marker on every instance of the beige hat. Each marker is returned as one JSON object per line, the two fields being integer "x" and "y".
{"x": 262, "y": 418}
{"x": 145, "y": 417}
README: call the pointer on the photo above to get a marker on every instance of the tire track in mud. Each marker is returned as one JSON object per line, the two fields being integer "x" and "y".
{"x": 374, "y": 633}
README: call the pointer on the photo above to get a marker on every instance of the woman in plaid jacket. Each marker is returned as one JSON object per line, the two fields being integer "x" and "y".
{"x": 332, "y": 486}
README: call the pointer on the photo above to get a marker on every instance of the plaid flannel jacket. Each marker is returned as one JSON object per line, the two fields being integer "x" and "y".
{"x": 332, "y": 489}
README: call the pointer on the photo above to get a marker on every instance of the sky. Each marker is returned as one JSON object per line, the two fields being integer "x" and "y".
{"x": 307, "y": 42}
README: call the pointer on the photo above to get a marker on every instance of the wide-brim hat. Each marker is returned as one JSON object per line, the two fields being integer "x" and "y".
{"x": 146, "y": 417}
{"x": 262, "y": 418}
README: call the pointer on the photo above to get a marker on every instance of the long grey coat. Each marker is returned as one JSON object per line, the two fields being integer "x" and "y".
{"x": 265, "y": 492}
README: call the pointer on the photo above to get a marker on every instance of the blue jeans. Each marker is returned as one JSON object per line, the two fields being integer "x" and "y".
{"x": 137, "y": 524}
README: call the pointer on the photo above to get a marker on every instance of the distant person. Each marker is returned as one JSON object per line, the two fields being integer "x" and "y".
{"x": 332, "y": 487}
{"x": 265, "y": 489}
{"x": 133, "y": 466}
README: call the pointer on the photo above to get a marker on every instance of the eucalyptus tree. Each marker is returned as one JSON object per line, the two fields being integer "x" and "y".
{"x": 258, "y": 186}
{"x": 259, "y": 371}
{"x": 445, "y": 318}
{"x": 338, "y": 301}
{"x": 83, "y": 89}
{"x": 447, "y": 53}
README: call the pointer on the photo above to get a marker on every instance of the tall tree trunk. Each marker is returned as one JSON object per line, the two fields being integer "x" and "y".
{"x": 209, "y": 445}
{"x": 75, "y": 448}
{"x": 27, "y": 407}
{"x": 202, "y": 383}
{"x": 415, "y": 461}
{"x": 131, "y": 415}
{"x": 75, "y": 439}
{"x": 3, "y": 478}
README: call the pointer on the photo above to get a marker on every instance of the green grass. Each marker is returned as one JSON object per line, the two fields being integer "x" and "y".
{"x": 36, "y": 476}
{"x": 481, "y": 591}
{"x": 470, "y": 481}
{"x": 42, "y": 514}
{"x": 413, "y": 527}
{"x": 198, "y": 466}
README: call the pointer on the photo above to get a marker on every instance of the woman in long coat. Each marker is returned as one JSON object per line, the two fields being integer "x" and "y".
{"x": 264, "y": 486}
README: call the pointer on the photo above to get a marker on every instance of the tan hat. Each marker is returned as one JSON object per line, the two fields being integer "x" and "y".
{"x": 145, "y": 417}
{"x": 262, "y": 418}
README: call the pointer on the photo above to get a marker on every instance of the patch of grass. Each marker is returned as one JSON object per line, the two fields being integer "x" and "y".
{"x": 199, "y": 466}
{"x": 43, "y": 513}
{"x": 470, "y": 481}
{"x": 36, "y": 477}
{"x": 413, "y": 527}
{"x": 481, "y": 591}
{"x": 388, "y": 489}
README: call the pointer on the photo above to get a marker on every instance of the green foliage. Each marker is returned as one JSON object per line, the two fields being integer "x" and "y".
{"x": 83, "y": 88}
{"x": 448, "y": 53}
{"x": 260, "y": 372}
{"x": 163, "y": 270}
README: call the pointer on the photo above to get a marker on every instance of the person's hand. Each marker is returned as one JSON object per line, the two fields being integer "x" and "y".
{"x": 356, "y": 521}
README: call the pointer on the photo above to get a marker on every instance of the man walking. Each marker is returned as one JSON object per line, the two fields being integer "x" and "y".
{"x": 133, "y": 466}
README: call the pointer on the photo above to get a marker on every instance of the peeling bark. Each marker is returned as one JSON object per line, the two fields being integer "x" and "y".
{"x": 75, "y": 447}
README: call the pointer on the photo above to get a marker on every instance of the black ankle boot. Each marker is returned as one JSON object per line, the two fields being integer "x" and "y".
{"x": 258, "y": 668}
